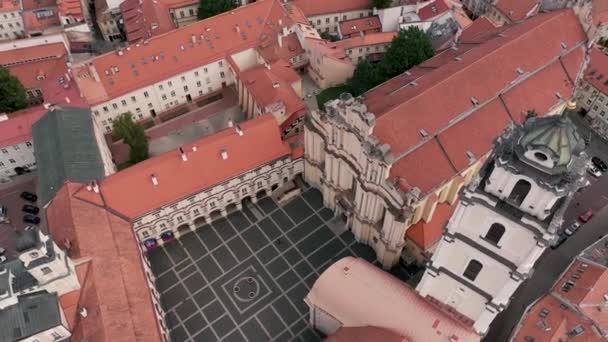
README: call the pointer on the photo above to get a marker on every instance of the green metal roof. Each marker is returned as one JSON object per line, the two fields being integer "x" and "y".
{"x": 66, "y": 149}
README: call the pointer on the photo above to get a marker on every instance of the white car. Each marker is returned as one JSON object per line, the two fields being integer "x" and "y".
{"x": 573, "y": 228}
{"x": 592, "y": 170}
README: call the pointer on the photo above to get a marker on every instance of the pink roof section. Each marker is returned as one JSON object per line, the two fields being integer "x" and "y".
{"x": 317, "y": 7}
{"x": 9, "y": 5}
{"x": 597, "y": 71}
{"x": 368, "y": 39}
{"x": 71, "y": 8}
{"x": 516, "y": 10}
{"x": 329, "y": 49}
{"x": 18, "y": 128}
{"x": 360, "y": 25}
{"x": 364, "y": 334}
{"x": 432, "y": 10}
{"x": 359, "y": 294}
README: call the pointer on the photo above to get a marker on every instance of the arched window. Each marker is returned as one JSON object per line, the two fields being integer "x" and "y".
{"x": 520, "y": 191}
{"x": 495, "y": 232}
{"x": 472, "y": 270}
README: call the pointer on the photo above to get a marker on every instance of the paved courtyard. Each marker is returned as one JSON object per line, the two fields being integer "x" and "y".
{"x": 244, "y": 278}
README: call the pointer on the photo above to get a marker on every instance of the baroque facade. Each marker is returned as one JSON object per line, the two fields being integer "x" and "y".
{"x": 506, "y": 218}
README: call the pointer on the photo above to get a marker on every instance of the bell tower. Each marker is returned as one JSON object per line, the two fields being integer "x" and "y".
{"x": 506, "y": 217}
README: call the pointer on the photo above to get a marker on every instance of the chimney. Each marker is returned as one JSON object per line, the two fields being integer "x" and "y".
{"x": 95, "y": 186}
{"x": 119, "y": 52}
{"x": 230, "y": 123}
{"x": 267, "y": 65}
{"x": 83, "y": 312}
{"x": 224, "y": 154}
{"x": 89, "y": 187}
{"x": 193, "y": 39}
{"x": 280, "y": 22}
{"x": 194, "y": 148}
{"x": 239, "y": 131}
{"x": 275, "y": 84}
{"x": 280, "y": 39}
{"x": 183, "y": 154}
{"x": 237, "y": 28}
{"x": 154, "y": 179}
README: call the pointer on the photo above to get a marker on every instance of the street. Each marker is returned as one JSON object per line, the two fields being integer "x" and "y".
{"x": 554, "y": 261}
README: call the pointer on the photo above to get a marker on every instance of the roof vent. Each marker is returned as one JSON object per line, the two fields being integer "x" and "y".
{"x": 408, "y": 73}
{"x": 183, "y": 154}
{"x": 275, "y": 84}
{"x": 224, "y": 154}
{"x": 208, "y": 29}
{"x": 83, "y": 312}
{"x": 471, "y": 157}
{"x": 520, "y": 71}
{"x": 563, "y": 45}
{"x": 424, "y": 133}
{"x": 230, "y": 123}
{"x": 120, "y": 52}
{"x": 182, "y": 47}
{"x": 237, "y": 28}
{"x": 558, "y": 95}
{"x": 154, "y": 180}
{"x": 458, "y": 58}
{"x": 474, "y": 101}
{"x": 413, "y": 83}
{"x": 239, "y": 131}
{"x": 544, "y": 313}
{"x": 194, "y": 148}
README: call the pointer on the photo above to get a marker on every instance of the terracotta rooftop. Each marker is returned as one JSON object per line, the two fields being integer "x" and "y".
{"x": 131, "y": 192}
{"x": 115, "y": 289}
{"x": 354, "y": 26}
{"x": 516, "y": 10}
{"x": 18, "y": 128}
{"x": 597, "y": 71}
{"x": 9, "y": 5}
{"x": 314, "y": 7}
{"x": 271, "y": 51}
{"x": 32, "y": 23}
{"x": 420, "y": 113}
{"x": 599, "y": 11}
{"x": 71, "y": 8}
{"x": 433, "y": 9}
{"x": 479, "y": 30}
{"x": 37, "y": 4}
{"x": 426, "y": 234}
{"x": 165, "y": 55}
{"x": 32, "y": 65}
{"x": 382, "y": 301}
{"x": 144, "y": 19}
{"x": 272, "y": 84}
{"x": 365, "y": 334}
{"x": 368, "y": 39}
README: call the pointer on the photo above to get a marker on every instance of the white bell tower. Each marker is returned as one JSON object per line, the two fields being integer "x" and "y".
{"x": 505, "y": 219}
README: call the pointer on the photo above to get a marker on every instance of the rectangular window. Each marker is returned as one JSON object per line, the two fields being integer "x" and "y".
{"x": 207, "y": 80}
{"x": 170, "y": 84}
{"x": 180, "y": 219}
{"x": 336, "y": 19}
{"x": 145, "y": 233}
{"x": 4, "y": 151}
{"x": 172, "y": 93}
{"x": 12, "y": 161}
{"x": 138, "y": 110}
{"x": 318, "y": 21}
{"x": 105, "y": 109}
{"x": 133, "y": 99}
{"x": 160, "y": 86}
{"x": 185, "y": 88}
{"x": 220, "y": 63}
{"x": 212, "y": 205}
{"x": 16, "y": 148}
{"x": 164, "y": 97}
{"x": 183, "y": 79}
{"x": 198, "y": 83}
{"x": 28, "y": 144}
{"x": 260, "y": 184}
{"x": 124, "y": 102}
{"x": 205, "y": 70}
{"x": 96, "y": 112}
{"x": 181, "y": 13}
{"x": 146, "y": 95}
{"x": 222, "y": 75}
{"x": 209, "y": 89}
{"x": 114, "y": 105}
{"x": 46, "y": 270}
{"x": 196, "y": 73}
{"x": 327, "y": 20}
{"x": 191, "y": 12}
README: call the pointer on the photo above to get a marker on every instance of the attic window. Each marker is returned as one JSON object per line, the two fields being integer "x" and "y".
{"x": 544, "y": 312}
{"x": 471, "y": 156}
{"x": 558, "y": 95}
{"x": 540, "y": 156}
{"x": 563, "y": 45}
{"x": 458, "y": 58}
{"x": 424, "y": 133}
{"x": 413, "y": 83}
{"x": 474, "y": 101}
{"x": 577, "y": 331}
{"x": 520, "y": 71}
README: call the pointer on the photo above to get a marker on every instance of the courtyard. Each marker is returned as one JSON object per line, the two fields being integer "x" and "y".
{"x": 244, "y": 277}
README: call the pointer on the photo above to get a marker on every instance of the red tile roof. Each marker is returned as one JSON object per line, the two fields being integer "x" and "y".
{"x": 71, "y": 8}
{"x": 315, "y": 7}
{"x": 516, "y": 10}
{"x": 9, "y": 5}
{"x": 115, "y": 291}
{"x": 426, "y": 234}
{"x": 432, "y": 10}
{"x": 216, "y": 37}
{"x": 18, "y": 128}
{"x": 597, "y": 71}
{"x": 143, "y": 20}
{"x": 36, "y": 4}
{"x": 599, "y": 12}
{"x": 22, "y": 63}
{"x": 444, "y": 92}
{"x": 368, "y": 39}
{"x": 479, "y": 30}
{"x": 271, "y": 51}
{"x": 364, "y": 334}
{"x": 354, "y": 26}
{"x": 131, "y": 192}
{"x": 34, "y": 24}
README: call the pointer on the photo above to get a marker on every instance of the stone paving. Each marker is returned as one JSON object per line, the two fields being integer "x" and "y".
{"x": 244, "y": 277}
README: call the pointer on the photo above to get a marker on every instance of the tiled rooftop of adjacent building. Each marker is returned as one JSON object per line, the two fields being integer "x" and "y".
{"x": 214, "y": 287}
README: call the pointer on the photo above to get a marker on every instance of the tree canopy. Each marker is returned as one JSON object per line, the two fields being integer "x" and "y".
{"x": 381, "y": 3}
{"x": 409, "y": 48}
{"x": 133, "y": 135}
{"x": 12, "y": 93}
{"x": 209, "y": 8}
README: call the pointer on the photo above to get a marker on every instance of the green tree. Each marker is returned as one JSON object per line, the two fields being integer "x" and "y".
{"x": 133, "y": 135}
{"x": 209, "y": 8}
{"x": 364, "y": 78}
{"x": 409, "y": 48}
{"x": 381, "y": 3}
{"x": 12, "y": 93}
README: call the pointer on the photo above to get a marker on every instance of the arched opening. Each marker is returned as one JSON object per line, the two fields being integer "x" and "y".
{"x": 520, "y": 191}
{"x": 215, "y": 215}
{"x": 199, "y": 222}
{"x": 230, "y": 208}
{"x": 274, "y": 187}
{"x": 183, "y": 229}
{"x": 260, "y": 194}
{"x": 473, "y": 269}
{"x": 495, "y": 233}
{"x": 246, "y": 200}
{"x": 285, "y": 179}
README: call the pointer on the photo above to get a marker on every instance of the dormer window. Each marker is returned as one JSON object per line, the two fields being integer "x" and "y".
{"x": 540, "y": 156}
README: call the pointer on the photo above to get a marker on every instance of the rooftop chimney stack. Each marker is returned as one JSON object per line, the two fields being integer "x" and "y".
{"x": 230, "y": 123}
{"x": 267, "y": 65}
{"x": 95, "y": 186}
{"x": 154, "y": 179}
{"x": 224, "y": 154}
{"x": 239, "y": 131}
{"x": 275, "y": 84}
{"x": 183, "y": 154}
{"x": 194, "y": 148}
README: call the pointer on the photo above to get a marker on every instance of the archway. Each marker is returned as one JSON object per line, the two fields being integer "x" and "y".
{"x": 274, "y": 187}
{"x": 520, "y": 191}
{"x": 183, "y": 229}
{"x": 230, "y": 208}
{"x": 200, "y": 221}
{"x": 260, "y": 194}
{"x": 216, "y": 214}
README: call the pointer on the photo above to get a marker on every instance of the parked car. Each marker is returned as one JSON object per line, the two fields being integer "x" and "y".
{"x": 592, "y": 170}
{"x": 28, "y": 196}
{"x": 30, "y": 209}
{"x": 572, "y": 228}
{"x": 586, "y": 216}
{"x": 561, "y": 237}
{"x": 27, "y": 218}
{"x": 599, "y": 164}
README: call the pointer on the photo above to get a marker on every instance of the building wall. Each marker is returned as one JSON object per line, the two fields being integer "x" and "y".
{"x": 201, "y": 208}
{"x": 183, "y": 16}
{"x": 104, "y": 149}
{"x": 329, "y": 22}
{"x": 11, "y": 25}
{"x": 19, "y": 155}
{"x": 593, "y": 100}
{"x": 359, "y": 53}
{"x": 109, "y": 28}
{"x": 326, "y": 71}
{"x": 149, "y": 101}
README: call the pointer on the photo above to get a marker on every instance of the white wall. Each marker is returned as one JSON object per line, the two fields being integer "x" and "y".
{"x": 21, "y": 154}
{"x": 35, "y": 41}
{"x": 11, "y": 25}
